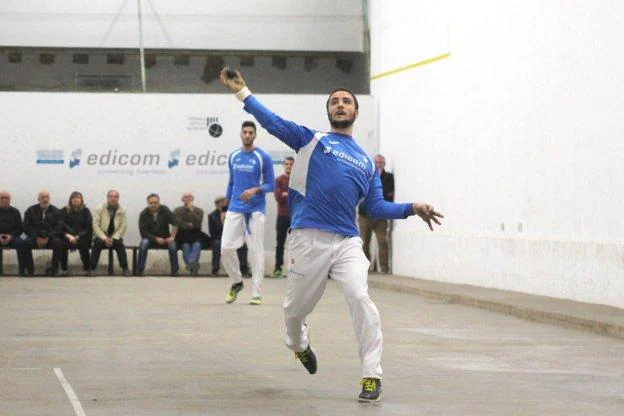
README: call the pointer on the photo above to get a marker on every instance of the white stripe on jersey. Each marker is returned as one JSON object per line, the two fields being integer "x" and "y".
{"x": 261, "y": 161}
{"x": 234, "y": 153}
{"x": 299, "y": 175}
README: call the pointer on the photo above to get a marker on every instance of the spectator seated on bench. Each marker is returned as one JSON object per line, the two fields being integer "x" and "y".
{"x": 43, "y": 227}
{"x": 109, "y": 226}
{"x": 154, "y": 222}
{"x": 11, "y": 228}
{"x": 189, "y": 221}
{"x": 77, "y": 231}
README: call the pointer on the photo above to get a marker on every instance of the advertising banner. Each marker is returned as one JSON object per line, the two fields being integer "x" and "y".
{"x": 142, "y": 143}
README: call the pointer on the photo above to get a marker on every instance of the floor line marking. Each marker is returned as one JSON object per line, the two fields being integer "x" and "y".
{"x": 70, "y": 393}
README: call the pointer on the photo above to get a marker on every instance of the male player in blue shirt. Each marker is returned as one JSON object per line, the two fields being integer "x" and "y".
{"x": 331, "y": 175}
{"x": 251, "y": 177}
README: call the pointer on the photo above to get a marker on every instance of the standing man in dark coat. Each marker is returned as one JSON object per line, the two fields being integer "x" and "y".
{"x": 379, "y": 226}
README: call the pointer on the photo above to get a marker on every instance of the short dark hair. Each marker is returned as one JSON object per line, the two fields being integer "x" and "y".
{"x": 152, "y": 195}
{"x": 292, "y": 159}
{"x": 249, "y": 123}
{"x": 355, "y": 101}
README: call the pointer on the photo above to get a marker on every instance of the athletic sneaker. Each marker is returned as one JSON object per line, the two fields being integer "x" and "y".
{"x": 231, "y": 297}
{"x": 277, "y": 273}
{"x": 308, "y": 359}
{"x": 256, "y": 300}
{"x": 371, "y": 390}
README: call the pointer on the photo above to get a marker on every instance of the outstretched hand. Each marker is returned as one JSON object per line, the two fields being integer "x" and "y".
{"x": 233, "y": 80}
{"x": 427, "y": 213}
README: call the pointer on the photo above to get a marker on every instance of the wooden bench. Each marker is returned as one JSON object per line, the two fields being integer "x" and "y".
{"x": 110, "y": 266}
{"x": 135, "y": 254}
{"x": 110, "y": 257}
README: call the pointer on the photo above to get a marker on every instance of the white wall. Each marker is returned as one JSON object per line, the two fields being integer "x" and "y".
{"x": 142, "y": 124}
{"x": 287, "y": 25}
{"x": 523, "y": 126}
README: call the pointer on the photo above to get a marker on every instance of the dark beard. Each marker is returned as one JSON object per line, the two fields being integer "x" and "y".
{"x": 340, "y": 124}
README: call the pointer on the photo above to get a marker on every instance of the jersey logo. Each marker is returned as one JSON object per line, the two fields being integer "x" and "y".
{"x": 333, "y": 142}
{"x": 347, "y": 158}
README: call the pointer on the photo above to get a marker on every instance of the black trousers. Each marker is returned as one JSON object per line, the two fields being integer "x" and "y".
{"x": 20, "y": 245}
{"x": 82, "y": 246}
{"x": 216, "y": 256}
{"x": 118, "y": 246}
{"x": 31, "y": 243}
{"x": 282, "y": 226}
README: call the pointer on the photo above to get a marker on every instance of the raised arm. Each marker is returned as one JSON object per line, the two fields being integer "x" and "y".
{"x": 292, "y": 134}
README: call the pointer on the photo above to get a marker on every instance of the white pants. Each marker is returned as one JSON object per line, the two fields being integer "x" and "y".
{"x": 237, "y": 232}
{"x": 315, "y": 255}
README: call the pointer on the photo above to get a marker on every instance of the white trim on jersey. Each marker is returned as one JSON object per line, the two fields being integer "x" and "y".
{"x": 259, "y": 156}
{"x": 299, "y": 175}
{"x": 234, "y": 153}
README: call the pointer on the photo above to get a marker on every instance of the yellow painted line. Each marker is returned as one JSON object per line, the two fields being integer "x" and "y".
{"x": 410, "y": 66}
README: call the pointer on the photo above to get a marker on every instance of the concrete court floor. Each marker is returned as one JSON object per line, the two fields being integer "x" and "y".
{"x": 162, "y": 346}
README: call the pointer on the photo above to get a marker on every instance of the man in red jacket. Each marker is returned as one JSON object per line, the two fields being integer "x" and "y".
{"x": 283, "y": 214}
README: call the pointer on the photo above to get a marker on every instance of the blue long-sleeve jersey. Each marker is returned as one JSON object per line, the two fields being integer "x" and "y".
{"x": 331, "y": 175}
{"x": 248, "y": 170}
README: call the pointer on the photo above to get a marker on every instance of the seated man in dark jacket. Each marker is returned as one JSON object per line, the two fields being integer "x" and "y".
{"x": 215, "y": 228}
{"x": 77, "y": 231}
{"x": 154, "y": 223}
{"x": 11, "y": 228}
{"x": 43, "y": 226}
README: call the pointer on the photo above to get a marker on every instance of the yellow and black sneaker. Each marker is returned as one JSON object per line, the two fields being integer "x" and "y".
{"x": 256, "y": 300}
{"x": 308, "y": 359}
{"x": 236, "y": 287}
{"x": 371, "y": 390}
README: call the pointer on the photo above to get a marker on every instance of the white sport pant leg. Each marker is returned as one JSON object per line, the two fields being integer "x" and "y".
{"x": 308, "y": 262}
{"x": 255, "y": 243}
{"x": 232, "y": 239}
{"x": 350, "y": 272}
